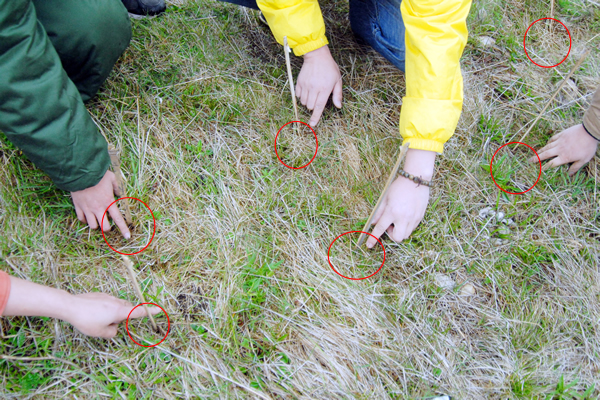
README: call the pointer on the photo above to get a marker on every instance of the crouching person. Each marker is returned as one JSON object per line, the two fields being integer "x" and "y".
{"x": 54, "y": 56}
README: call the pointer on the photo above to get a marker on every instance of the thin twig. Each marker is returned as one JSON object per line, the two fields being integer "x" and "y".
{"x": 286, "y": 50}
{"x": 138, "y": 291}
{"x": 401, "y": 156}
{"x": 116, "y": 165}
{"x": 575, "y": 67}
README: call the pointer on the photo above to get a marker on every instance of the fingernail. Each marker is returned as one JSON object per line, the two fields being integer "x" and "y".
{"x": 127, "y": 235}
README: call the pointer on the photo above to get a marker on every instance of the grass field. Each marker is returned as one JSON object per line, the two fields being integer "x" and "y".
{"x": 470, "y": 305}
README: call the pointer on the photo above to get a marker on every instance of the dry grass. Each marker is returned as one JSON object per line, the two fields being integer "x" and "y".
{"x": 239, "y": 259}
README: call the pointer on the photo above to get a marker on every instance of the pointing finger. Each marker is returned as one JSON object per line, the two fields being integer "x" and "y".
{"x": 119, "y": 221}
{"x": 544, "y": 155}
{"x": 381, "y": 227}
{"x": 319, "y": 107}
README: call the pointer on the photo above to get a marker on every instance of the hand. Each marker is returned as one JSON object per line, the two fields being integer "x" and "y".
{"x": 573, "y": 145}
{"x": 318, "y": 78}
{"x": 405, "y": 203}
{"x": 94, "y": 314}
{"x": 99, "y": 314}
{"x": 91, "y": 203}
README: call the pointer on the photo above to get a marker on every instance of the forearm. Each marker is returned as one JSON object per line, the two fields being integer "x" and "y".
{"x": 436, "y": 33}
{"x": 420, "y": 163}
{"x": 30, "y": 299}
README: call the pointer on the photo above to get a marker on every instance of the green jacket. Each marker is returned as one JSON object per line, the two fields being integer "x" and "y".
{"x": 41, "y": 110}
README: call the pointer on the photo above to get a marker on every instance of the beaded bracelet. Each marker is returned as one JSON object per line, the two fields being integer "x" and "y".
{"x": 415, "y": 179}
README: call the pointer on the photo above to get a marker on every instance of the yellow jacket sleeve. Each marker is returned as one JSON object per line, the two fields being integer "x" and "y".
{"x": 300, "y": 20}
{"x": 436, "y": 34}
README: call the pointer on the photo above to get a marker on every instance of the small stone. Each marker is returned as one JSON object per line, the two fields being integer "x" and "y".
{"x": 486, "y": 41}
{"x": 444, "y": 281}
{"x": 511, "y": 222}
{"x": 483, "y": 213}
{"x": 498, "y": 242}
{"x": 500, "y": 216}
{"x": 467, "y": 290}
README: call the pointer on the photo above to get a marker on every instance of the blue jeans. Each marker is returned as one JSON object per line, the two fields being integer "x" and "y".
{"x": 379, "y": 23}
{"x": 376, "y": 22}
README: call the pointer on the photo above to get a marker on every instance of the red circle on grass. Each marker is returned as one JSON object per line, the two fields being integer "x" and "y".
{"x": 355, "y": 279}
{"x": 153, "y": 221}
{"x": 536, "y": 154}
{"x": 168, "y": 326}
{"x": 316, "y": 149}
{"x": 525, "y": 47}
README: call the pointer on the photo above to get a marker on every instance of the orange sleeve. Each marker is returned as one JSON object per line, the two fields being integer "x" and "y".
{"x": 4, "y": 290}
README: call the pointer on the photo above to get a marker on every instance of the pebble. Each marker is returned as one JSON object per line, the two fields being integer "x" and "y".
{"x": 500, "y": 216}
{"x": 486, "y": 41}
{"x": 444, "y": 281}
{"x": 484, "y": 213}
{"x": 467, "y": 290}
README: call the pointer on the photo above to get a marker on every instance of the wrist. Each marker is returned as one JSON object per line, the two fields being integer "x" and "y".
{"x": 67, "y": 306}
{"x": 420, "y": 163}
{"x": 319, "y": 53}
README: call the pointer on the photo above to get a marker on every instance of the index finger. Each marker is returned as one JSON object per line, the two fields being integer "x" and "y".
{"x": 119, "y": 221}
{"x": 320, "y": 104}
{"x": 139, "y": 312}
{"x": 382, "y": 225}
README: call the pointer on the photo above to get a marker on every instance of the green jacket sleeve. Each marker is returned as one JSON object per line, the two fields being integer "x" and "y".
{"x": 41, "y": 110}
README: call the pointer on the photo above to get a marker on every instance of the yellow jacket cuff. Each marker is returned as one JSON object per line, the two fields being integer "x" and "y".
{"x": 429, "y": 123}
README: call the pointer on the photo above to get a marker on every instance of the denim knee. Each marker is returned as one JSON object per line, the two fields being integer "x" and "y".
{"x": 379, "y": 23}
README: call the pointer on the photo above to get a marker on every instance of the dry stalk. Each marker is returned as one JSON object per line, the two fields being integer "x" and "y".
{"x": 575, "y": 67}
{"x": 286, "y": 50}
{"x": 401, "y": 156}
{"x": 138, "y": 292}
{"x": 116, "y": 165}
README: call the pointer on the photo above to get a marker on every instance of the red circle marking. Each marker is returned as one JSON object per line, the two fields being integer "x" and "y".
{"x": 168, "y": 326}
{"x": 316, "y": 149}
{"x": 536, "y": 154}
{"x": 525, "y": 47}
{"x": 355, "y": 279}
{"x": 153, "y": 221}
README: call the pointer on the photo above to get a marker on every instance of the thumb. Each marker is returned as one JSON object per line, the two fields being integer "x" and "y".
{"x": 575, "y": 167}
{"x": 338, "y": 94}
{"x": 115, "y": 185}
{"x": 109, "y": 332}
